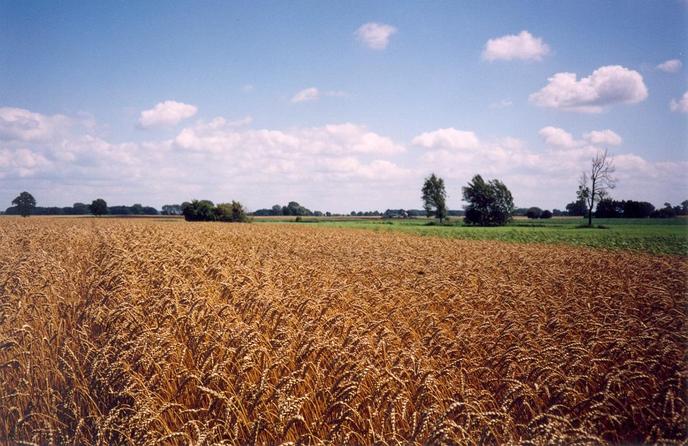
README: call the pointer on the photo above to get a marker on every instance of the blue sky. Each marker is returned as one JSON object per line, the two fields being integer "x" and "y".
{"x": 342, "y": 105}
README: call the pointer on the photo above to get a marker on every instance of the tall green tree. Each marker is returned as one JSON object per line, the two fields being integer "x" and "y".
{"x": 434, "y": 197}
{"x": 25, "y": 203}
{"x": 98, "y": 207}
{"x": 490, "y": 203}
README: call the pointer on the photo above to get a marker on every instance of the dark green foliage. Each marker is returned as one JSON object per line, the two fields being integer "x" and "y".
{"x": 205, "y": 210}
{"x": 25, "y": 203}
{"x": 98, "y": 207}
{"x": 434, "y": 197}
{"x": 489, "y": 203}
{"x": 534, "y": 212}
{"x": 576, "y": 208}
{"x": 231, "y": 212}
{"x": 546, "y": 214}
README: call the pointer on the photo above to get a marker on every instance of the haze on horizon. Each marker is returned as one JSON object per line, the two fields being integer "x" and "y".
{"x": 339, "y": 106}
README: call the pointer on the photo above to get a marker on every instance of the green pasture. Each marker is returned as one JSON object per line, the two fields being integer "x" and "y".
{"x": 657, "y": 236}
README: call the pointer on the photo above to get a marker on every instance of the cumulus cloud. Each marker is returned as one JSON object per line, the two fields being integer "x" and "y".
{"x": 332, "y": 139}
{"x": 680, "y": 105}
{"x": 555, "y": 136}
{"x": 448, "y": 138}
{"x": 670, "y": 66}
{"x": 521, "y": 46}
{"x": 375, "y": 35}
{"x": 606, "y": 86}
{"x": 558, "y": 137}
{"x": 167, "y": 113}
{"x": 603, "y": 137}
{"x": 24, "y": 125}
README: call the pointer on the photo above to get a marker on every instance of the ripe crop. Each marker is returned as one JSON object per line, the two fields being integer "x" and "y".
{"x": 145, "y": 332}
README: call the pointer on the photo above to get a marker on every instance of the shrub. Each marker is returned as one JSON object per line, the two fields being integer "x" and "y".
{"x": 546, "y": 214}
{"x": 534, "y": 212}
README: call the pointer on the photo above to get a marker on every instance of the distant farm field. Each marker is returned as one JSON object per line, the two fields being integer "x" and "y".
{"x": 658, "y": 236}
{"x": 144, "y": 331}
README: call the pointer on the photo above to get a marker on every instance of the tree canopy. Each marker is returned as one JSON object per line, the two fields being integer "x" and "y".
{"x": 98, "y": 207}
{"x": 25, "y": 203}
{"x": 434, "y": 197}
{"x": 490, "y": 203}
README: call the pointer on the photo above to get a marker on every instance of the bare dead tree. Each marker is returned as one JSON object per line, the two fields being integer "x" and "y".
{"x": 595, "y": 186}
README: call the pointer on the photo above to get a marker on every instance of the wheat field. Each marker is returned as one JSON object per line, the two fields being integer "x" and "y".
{"x": 153, "y": 332}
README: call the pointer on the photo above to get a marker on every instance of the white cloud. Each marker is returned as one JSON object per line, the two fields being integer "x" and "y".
{"x": 306, "y": 95}
{"x": 332, "y": 139}
{"x": 448, "y": 138}
{"x": 167, "y": 113}
{"x": 375, "y": 35}
{"x": 680, "y": 105}
{"x": 557, "y": 137}
{"x": 549, "y": 177}
{"x": 522, "y": 46}
{"x": 330, "y": 167}
{"x": 603, "y": 137}
{"x": 23, "y": 125}
{"x": 606, "y": 86}
{"x": 670, "y": 66}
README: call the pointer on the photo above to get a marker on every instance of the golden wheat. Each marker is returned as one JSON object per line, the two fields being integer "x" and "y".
{"x": 144, "y": 333}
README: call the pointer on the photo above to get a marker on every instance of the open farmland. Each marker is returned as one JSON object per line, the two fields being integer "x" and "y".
{"x": 165, "y": 332}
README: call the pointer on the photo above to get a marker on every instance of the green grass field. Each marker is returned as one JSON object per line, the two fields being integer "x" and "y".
{"x": 657, "y": 236}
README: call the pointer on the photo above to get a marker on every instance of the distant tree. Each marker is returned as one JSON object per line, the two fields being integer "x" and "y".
{"x": 137, "y": 209}
{"x": 534, "y": 212}
{"x": 98, "y": 207}
{"x": 25, "y": 203}
{"x": 395, "y": 213}
{"x": 489, "y": 203}
{"x": 172, "y": 209}
{"x": 546, "y": 214}
{"x": 684, "y": 207}
{"x": 595, "y": 186}
{"x": 230, "y": 212}
{"x": 80, "y": 209}
{"x": 294, "y": 208}
{"x": 198, "y": 210}
{"x": 276, "y": 210}
{"x": 636, "y": 209}
{"x": 328, "y": 214}
{"x": 666, "y": 212}
{"x": 434, "y": 197}
{"x": 608, "y": 208}
{"x": 557, "y": 213}
{"x": 576, "y": 208}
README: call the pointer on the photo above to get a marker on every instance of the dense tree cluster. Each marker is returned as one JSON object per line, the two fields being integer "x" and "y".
{"x": 291, "y": 209}
{"x": 205, "y": 210}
